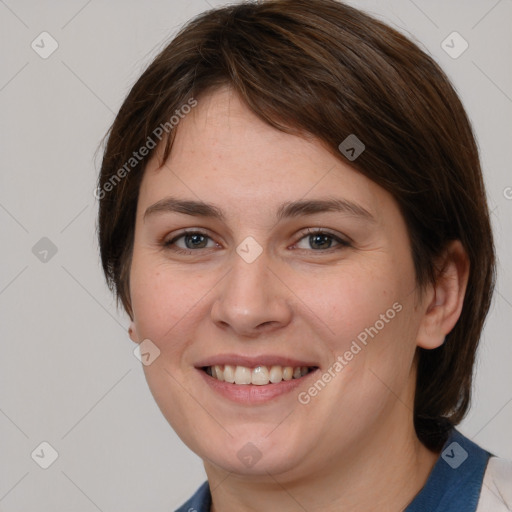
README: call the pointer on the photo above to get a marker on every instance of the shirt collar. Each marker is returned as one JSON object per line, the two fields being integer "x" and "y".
{"x": 455, "y": 482}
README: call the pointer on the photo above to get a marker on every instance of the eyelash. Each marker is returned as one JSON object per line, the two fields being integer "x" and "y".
{"x": 308, "y": 232}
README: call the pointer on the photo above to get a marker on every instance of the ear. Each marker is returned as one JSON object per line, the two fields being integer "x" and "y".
{"x": 132, "y": 331}
{"x": 443, "y": 301}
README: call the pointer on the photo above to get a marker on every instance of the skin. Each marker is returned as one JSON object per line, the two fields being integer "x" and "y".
{"x": 353, "y": 446}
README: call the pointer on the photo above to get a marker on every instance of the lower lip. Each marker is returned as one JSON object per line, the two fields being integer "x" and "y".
{"x": 251, "y": 393}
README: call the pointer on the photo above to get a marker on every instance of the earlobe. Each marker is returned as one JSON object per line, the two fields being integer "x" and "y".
{"x": 445, "y": 298}
{"x": 132, "y": 331}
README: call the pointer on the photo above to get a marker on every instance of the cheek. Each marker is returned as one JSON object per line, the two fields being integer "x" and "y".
{"x": 349, "y": 301}
{"x": 163, "y": 300}
{"x": 371, "y": 324}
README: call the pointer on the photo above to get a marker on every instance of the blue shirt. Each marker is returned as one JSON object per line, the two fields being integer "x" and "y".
{"x": 454, "y": 484}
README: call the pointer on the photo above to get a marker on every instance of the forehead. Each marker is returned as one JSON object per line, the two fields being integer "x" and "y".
{"x": 223, "y": 153}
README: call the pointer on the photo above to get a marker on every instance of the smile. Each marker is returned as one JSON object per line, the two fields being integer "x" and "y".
{"x": 260, "y": 375}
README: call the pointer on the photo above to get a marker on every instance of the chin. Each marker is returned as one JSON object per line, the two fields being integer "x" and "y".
{"x": 256, "y": 454}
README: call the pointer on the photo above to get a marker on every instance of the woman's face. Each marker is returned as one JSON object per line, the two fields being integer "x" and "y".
{"x": 272, "y": 277}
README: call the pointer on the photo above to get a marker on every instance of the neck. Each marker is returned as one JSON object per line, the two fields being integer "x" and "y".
{"x": 382, "y": 471}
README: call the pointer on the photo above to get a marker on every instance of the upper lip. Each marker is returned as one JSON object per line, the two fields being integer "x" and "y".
{"x": 253, "y": 361}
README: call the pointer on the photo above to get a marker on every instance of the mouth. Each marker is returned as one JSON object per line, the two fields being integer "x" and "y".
{"x": 256, "y": 379}
{"x": 260, "y": 375}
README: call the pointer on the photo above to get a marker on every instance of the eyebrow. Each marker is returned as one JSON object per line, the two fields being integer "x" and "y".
{"x": 289, "y": 209}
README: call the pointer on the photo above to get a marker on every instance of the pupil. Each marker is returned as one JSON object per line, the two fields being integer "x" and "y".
{"x": 195, "y": 240}
{"x": 323, "y": 241}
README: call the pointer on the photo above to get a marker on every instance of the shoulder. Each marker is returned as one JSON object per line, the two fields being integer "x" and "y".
{"x": 496, "y": 492}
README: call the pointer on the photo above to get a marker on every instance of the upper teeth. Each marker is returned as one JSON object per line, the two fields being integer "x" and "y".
{"x": 259, "y": 376}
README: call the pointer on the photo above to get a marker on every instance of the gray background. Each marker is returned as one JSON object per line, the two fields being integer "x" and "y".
{"x": 68, "y": 375}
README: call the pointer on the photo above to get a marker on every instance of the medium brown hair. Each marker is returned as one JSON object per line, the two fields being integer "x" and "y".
{"x": 323, "y": 68}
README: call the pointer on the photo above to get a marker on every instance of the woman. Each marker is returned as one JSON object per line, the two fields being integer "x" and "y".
{"x": 293, "y": 215}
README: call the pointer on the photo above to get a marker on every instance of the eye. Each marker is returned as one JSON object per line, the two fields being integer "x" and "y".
{"x": 317, "y": 240}
{"x": 320, "y": 240}
{"x": 189, "y": 241}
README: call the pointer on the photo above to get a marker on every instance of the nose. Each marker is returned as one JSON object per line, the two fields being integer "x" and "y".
{"x": 251, "y": 299}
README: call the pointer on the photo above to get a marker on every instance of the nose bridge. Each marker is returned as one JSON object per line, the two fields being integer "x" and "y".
{"x": 250, "y": 296}
{"x": 247, "y": 284}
